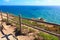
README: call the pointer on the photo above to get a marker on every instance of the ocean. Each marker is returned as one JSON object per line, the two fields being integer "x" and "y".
{"x": 48, "y": 13}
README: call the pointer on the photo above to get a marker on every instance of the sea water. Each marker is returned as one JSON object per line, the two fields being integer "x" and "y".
{"x": 48, "y": 13}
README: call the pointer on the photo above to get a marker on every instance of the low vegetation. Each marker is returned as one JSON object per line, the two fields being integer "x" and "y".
{"x": 42, "y": 34}
{"x": 47, "y": 36}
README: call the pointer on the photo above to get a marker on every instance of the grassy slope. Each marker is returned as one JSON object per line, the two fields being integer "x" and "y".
{"x": 47, "y": 36}
{"x": 44, "y": 35}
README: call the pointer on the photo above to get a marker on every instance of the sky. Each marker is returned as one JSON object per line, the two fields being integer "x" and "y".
{"x": 30, "y": 2}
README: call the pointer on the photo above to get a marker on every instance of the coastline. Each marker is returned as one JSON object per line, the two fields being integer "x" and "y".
{"x": 37, "y": 19}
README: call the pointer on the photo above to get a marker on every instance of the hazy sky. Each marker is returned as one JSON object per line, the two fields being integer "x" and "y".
{"x": 30, "y": 2}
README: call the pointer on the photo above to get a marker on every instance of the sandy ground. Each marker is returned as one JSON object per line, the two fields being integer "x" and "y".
{"x": 9, "y": 30}
{"x": 25, "y": 38}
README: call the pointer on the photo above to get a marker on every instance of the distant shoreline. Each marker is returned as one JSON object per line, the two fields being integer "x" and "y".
{"x": 34, "y": 19}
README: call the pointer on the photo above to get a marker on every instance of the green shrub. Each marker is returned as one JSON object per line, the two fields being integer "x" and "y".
{"x": 31, "y": 30}
{"x": 24, "y": 27}
{"x": 47, "y": 36}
